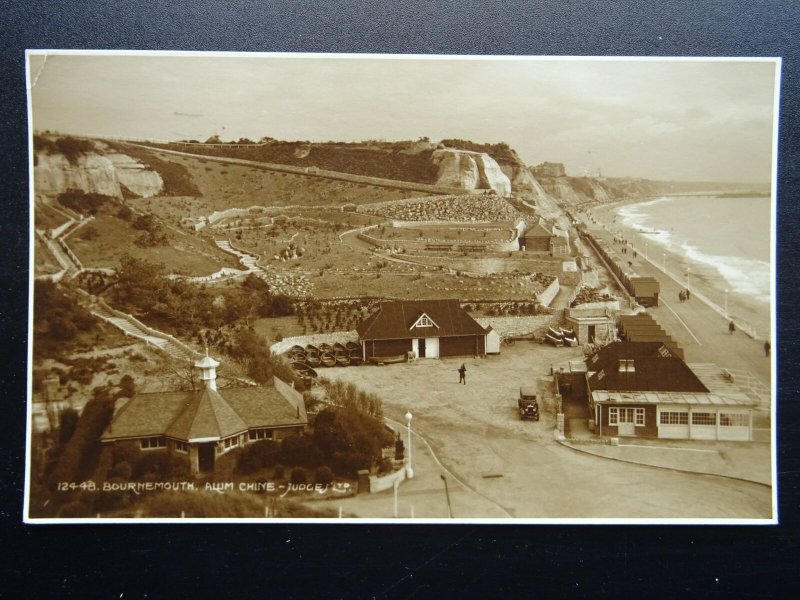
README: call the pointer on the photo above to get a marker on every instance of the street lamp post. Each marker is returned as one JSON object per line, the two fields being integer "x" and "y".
{"x": 409, "y": 470}
{"x": 447, "y": 495}
{"x": 688, "y": 272}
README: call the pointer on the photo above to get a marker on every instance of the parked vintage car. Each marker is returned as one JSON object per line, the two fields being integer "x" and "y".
{"x": 528, "y": 406}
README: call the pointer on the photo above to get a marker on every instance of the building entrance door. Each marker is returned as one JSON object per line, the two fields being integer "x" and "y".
{"x": 422, "y": 347}
{"x": 590, "y": 334}
{"x": 205, "y": 457}
{"x": 627, "y": 422}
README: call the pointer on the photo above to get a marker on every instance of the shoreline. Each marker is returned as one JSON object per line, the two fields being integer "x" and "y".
{"x": 703, "y": 279}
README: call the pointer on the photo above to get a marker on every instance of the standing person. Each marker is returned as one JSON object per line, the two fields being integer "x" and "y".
{"x": 680, "y": 296}
{"x": 731, "y": 327}
{"x": 462, "y": 374}
{"x": 688, "y": 295}
{"x": 767, "y": 347}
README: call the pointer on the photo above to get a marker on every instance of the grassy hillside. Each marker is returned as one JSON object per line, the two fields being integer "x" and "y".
{"x": 405, "y": 161}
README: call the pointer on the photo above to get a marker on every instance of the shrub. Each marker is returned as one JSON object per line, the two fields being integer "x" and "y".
{"x": 301, "y": 450}
{"x": 67, "y": 422}
{"x": 279, "y": 472}
{"x": 83, "y": 448}
{"x": 121, "y": 471}
{"x": 349, "y": 463}
{"x": 264, "y": 453}
{"x": 298, "y": 475}
{"x": 73, "y": 148}
{"x": 323, "y": 475}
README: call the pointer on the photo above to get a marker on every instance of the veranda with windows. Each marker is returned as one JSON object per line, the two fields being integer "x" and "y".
{"x": 673, "y": 415}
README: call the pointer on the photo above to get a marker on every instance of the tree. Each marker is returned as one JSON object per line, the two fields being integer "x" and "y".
{"x": 140, "y": 283}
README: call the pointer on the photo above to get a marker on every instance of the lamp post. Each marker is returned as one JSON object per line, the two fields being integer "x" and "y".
{"x": 688, "y": 272}
{"x": 726, "y": 303}
{"x": 409, "y": 470}
{"x": 447, "y": 494}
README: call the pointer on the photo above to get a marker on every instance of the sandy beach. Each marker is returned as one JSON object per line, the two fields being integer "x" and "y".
{"x": 704, "y": 280}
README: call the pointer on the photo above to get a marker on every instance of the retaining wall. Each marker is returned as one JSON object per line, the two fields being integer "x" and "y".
{"x": 386, "y": 482}
{"x": 546, "y": 297}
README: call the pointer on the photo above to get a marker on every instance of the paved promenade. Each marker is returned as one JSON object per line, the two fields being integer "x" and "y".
{"x": 699, "y": 328}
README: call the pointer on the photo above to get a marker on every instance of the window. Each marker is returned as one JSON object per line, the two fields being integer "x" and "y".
{"x": 601, "y": 374}
{"x": 424, "y": 321}
{"x": 181, "y": 446}
{"x": 259, "y": 434}
{"x": 674, "y": 417}
{"x": 626, "y": 415}
{"x": 626, "y": 366}
{"x": 152, "y": 442}
{"x": 734, "y": 420}
{"x": 230, "y": 442}
{"x": 704, "y": 418}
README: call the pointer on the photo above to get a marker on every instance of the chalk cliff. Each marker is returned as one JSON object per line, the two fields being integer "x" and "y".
{"x": 93, "y": 173}
{"x": 470, "y": 171}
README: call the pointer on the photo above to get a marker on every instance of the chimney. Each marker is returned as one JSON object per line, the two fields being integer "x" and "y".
{"x": 208, "y": 371}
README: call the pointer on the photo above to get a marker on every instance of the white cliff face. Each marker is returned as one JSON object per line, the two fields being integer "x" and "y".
{"x": 93, "y": 173}
{"x": 470, "y": 171}
{"x": 135, "y": 176}
{"x": 492, "y": 175}
{"x": 54, "y": 174}
{"x": 456, "y": 169}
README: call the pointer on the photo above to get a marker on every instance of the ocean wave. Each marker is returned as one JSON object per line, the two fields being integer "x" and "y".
{"x": 744, "y": 275}
{"x": 635, "y": 217}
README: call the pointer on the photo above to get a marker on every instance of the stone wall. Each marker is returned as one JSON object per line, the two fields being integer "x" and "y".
{"x": 546, "y": 296}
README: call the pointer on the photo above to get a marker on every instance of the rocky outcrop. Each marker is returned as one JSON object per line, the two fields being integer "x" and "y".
{"x": 93, "y": 173}
{"x": 470, "y": 171}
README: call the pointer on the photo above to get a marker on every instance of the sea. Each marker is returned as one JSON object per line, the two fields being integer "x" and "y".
{"x": 731, "y": 235}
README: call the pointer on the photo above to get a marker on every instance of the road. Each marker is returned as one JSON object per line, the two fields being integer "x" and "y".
{"x": 507, "y": 466}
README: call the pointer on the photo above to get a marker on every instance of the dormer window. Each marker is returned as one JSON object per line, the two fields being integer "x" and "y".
{"x": 424, "y": 321}
{"x": 626, "y": 366}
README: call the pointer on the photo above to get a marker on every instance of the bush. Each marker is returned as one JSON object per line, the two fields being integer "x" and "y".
{"x": 279, "y": 472}
{"x": 121, "y": 471}
{"x": 67, "y": 422}
{"x": 347, "y": 464}
{"x": 298, "y": 475}
{"x": 264, "y": 453}
{"x": 301, "y": 450}
{"x": 73, "y": 148}
{"x": 323, "y": 475}
{"x": 83, "y": 449}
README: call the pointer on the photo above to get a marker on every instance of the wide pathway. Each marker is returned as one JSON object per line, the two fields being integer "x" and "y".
{"x": 701, "y": 331}
{"x": 478, "y": 439}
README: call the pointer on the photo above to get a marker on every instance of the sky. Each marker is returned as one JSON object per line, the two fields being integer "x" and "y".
{"x": 690, "y": 120}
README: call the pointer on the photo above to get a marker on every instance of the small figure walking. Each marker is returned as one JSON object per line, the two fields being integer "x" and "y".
{"x": 731, "y": 327}
{"x": 767, "y": 348}
{"x": 688, "y": 295}
{"x": 462, "y": 374}
{"x": 681, "y": 296}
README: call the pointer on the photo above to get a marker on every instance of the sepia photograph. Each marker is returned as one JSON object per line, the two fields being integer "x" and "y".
{"x": 401, "y": 288}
